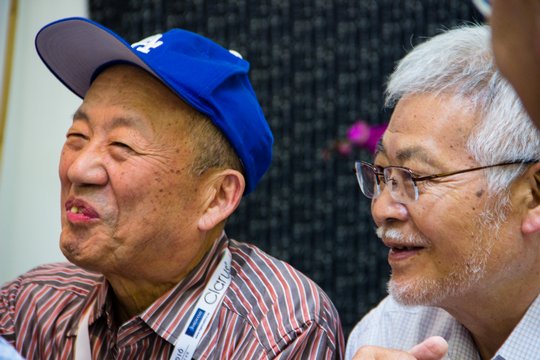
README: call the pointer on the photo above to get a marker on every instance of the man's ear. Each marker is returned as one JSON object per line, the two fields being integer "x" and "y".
{"x": 531, "y": 221}
{"x": 227, "y": 187}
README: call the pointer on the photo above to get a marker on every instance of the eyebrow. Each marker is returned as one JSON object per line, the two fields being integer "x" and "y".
{"x": 80, "y": 115}
{"x": 379, "y": 148}
{"x": 414, "y": 151}
{"x": 406, "y": 154}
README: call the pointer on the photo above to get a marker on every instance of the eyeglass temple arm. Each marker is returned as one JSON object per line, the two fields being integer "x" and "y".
{"x": 435, "y": 176}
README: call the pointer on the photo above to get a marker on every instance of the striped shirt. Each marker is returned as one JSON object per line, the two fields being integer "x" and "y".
{"x": 270, "y": 311}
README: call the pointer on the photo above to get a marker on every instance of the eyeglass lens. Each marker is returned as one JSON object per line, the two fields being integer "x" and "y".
{"x": 367, "y": 179}
{"x": 402, "y": 187}
{"x": 400, "y": 182}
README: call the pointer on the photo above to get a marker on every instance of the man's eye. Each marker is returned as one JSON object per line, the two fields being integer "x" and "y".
{"x": 75, "y": 140}
{"x": 121, "y": 151}
{"x": 121, "y": 145}
{"x": 75, "y": 135}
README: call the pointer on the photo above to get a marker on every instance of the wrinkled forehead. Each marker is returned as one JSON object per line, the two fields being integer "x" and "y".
{"x": 131, "y": 82}
{"x": 138, "y": 94}
{"x": 133, "y": 87}
{"x": 426, "y": 126}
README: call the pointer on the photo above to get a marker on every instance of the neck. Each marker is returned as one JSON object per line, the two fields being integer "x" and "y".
{"x": 131, "y": 299}
{"x": 134, "y": 294}
{"x": 491, "y": 317}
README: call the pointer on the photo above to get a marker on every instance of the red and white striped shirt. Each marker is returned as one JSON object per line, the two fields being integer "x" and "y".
{"x": 270, "y": 311}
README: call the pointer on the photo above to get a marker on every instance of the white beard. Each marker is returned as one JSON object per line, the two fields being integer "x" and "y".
{"x": 467, "y": 272}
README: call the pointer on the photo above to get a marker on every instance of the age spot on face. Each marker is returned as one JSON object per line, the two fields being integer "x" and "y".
{"x": 479, "y": 193}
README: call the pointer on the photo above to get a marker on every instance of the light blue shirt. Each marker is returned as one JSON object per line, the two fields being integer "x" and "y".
{"x": 396, "y": 326}
{"x": 7, "y": 352}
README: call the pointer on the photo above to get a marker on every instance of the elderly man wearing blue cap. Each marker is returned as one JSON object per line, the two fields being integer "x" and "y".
{"x": 167, "y": 140}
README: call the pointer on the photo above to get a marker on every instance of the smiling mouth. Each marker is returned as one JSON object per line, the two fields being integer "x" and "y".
{"x": 78, "y": 210}
{"x": 82, "y": 211}
{"x": 405, "y": 248}
{"x": 398, "y": 253}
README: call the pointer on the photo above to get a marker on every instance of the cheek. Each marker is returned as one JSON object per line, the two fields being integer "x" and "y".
{"x": 166, "y": 190}
{"x": 451, "y": 217}
{"x": 66, "y": 159}
{"x": 168, "y": 193}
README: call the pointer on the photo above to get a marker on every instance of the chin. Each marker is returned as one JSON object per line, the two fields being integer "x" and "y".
{"x": 419, "y": 292}
{"x": 74, "y": 254}
{"x": 434, "y": 292}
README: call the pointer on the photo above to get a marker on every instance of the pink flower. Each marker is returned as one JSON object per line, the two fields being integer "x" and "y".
{"x": 344, "y": 147}
{"x": 375, "y": 133}
{"x": 358, "y": 133}
{"x": 361, "y": 134}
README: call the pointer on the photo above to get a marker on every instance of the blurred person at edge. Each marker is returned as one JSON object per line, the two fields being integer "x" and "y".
{"x": 515, "y": 39}
{"x": 7, "y": 352}
{"x": 167, "y": 140}
{"x": 455, "y": 189}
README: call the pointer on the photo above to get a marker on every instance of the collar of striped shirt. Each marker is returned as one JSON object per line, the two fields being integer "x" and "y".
{"x": 176, "y": 303}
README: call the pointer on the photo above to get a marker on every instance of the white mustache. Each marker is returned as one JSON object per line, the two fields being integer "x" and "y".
{"x": 398, "y": 236}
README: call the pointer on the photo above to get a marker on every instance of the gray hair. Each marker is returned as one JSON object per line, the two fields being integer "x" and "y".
{"x": 460, "y": 62}
{"x": 212, "y": 149}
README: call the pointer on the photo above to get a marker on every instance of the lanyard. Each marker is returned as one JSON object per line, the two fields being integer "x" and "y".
{"x": 82, "y": 344}
{"x": 199, "y": 319}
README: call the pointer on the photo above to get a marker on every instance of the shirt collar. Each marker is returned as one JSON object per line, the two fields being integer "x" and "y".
{"x": 168, "y": 314}
{"x": 96, "y": 300}
{"x": 523, "y": 341}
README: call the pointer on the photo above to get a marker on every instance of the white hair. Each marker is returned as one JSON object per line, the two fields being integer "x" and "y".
{"x": 460, "y": 62}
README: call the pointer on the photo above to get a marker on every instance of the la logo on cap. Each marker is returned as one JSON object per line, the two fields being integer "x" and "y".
{"x": 236, "y": 53}
{"x": 147, "y": 44}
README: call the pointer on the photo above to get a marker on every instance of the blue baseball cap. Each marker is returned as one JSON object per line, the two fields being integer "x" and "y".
{"x": 210, "y": 78}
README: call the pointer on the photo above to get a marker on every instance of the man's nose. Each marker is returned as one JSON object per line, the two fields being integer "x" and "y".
{"x": 88, "y": 166}
{"x": 384, "y": 208}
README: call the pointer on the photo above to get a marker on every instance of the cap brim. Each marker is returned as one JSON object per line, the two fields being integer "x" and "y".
{"x": 75, "y": 48}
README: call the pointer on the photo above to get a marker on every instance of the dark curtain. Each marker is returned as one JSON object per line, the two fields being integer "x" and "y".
{"x": 317, "y": 66}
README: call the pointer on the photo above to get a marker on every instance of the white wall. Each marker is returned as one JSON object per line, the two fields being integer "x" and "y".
{"x": 39, "y": 113}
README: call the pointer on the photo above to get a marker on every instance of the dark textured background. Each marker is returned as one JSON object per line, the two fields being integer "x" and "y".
{"x": 317, "y": 66}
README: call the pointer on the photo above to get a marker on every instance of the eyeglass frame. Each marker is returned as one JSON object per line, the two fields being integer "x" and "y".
{"x": 415, "y": 178}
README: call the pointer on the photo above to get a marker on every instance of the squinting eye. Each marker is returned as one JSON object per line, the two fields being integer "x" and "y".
{"x": 122, "y": 145}
{"x": 75, "y": 135}
{"x": 121, "y": 151}
{"x": 392, "y": 182}
{"x": 75, "y": 140}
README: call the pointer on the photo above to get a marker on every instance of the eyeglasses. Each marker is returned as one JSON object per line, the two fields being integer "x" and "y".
{"x": 402, "y": 181}
{"x": 484, "y": 6}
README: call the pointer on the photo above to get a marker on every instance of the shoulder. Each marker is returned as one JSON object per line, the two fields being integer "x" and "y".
{"x": 274, "y": 283}
{"x": 279, "y": 302}
{"x": 523, "y": 341}
{"x": 44, "y": 299}
{"x": 397, "y": 326}
{"x": 57, "y": 278}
